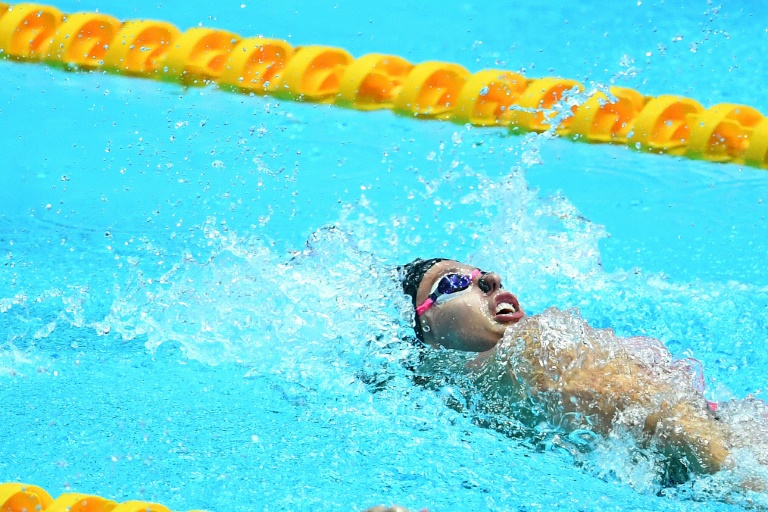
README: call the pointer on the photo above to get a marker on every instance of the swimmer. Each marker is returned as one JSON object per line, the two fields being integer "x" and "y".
{"x": 589, "y": 384}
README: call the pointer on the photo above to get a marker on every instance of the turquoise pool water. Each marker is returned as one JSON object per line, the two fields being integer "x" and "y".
{"x": 196, "y": 293}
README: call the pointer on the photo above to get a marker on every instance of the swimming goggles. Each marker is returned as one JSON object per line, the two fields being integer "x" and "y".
{"x": 449, "y": 284}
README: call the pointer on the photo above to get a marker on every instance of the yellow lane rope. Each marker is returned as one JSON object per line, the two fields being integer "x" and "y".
{"x": 17, "y": 497}
{"x": 434, "y": 90}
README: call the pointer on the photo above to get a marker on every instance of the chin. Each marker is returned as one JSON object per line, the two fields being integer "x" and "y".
{"x": 486, "y": 345}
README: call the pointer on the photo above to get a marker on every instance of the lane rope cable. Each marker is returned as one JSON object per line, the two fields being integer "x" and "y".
{"x": 200, "y": 56}
{"x": 18, "y": 497}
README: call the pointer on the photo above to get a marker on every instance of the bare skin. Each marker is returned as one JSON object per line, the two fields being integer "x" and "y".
{"x": 601, "y": 386}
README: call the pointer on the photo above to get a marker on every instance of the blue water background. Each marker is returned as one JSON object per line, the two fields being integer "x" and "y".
{"x": 167, "y": 334}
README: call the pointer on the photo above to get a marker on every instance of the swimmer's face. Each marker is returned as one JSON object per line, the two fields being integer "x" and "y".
{"x": 473, "y": 320}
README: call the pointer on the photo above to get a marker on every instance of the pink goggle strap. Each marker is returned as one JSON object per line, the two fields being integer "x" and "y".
{"x": 424, "y": 306}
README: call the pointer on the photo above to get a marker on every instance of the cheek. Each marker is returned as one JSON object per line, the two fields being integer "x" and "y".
{"x": 475, "y": 311}
{"x": 460, "y": 322}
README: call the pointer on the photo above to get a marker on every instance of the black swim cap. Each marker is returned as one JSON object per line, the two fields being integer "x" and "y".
{"x": 411, "y": 275}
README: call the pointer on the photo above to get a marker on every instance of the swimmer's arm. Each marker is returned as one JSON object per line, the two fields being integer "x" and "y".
{"x": 683, "y": 429}
{"x": 694, "y": 432}
{"x": 603, "y": 391}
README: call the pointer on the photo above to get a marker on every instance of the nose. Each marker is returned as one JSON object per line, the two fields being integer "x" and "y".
{"x": 489, "y": 282}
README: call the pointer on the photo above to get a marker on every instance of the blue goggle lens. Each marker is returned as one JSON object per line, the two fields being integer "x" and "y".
{"x": 453, "y": 283}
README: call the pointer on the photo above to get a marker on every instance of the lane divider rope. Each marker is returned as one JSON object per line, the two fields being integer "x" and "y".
{"x": 434, "y": 90}
{"x": 18, "y": 497}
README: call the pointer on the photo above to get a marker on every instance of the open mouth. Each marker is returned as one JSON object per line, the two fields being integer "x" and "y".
{"x": 507, "y": 308}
